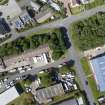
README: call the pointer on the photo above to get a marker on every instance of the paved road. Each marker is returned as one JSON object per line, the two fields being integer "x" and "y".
{"x": 72, "y": 53}
{"x": 80, "y": 72}
{"x": 36, "y": 70}
{"x": 56, "y": 24}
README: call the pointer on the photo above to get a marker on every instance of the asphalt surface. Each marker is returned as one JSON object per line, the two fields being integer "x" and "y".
{"x": 80, "y": 72}
{"x": 72, "y": 53}
{"x": 56, "y": 24}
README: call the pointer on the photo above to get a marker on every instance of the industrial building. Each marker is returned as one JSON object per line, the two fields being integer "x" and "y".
{"x": 8, "y": 96}
{"x": 98, "y": 68}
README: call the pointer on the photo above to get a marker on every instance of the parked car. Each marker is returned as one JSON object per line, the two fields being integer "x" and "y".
{"x": 18, "y": 78}
{"x": 86, "y": 82}
{"x": 6, "y": 79}
{"x": 7, "y": 86}
{"x": 28, "y": 89}
{"x": 21, "y": 71}
{"x": 11, "y": 83}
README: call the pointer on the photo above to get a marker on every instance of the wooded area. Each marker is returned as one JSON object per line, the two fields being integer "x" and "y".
{"x": 89, "y": 33}
{"x": 54, "y": 39}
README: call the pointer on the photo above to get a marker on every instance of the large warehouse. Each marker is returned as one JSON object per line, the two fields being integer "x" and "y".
{"x": 8, "y": 96}
{"x": 98, "y": 68}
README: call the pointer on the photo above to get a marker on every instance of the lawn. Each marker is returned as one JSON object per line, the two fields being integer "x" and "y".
{"x": 66, "y": 69}
{"x": 24, "y": 99}
{"x": 45, "y": 79}
{"x": 93, "y": 86}
{"x": 91, "y": 79}
{"x": 25, "y": 83}
{"x": 86, "y": 66}
{"x": 77, "y": 9}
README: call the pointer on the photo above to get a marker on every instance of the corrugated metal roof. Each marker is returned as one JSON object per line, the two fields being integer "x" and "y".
{"x": 98, "y": 65}
{"x": 8, "y": 96}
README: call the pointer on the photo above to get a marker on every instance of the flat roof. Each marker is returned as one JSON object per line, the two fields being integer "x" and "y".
{"x": 98, "y": 67}
{"x": 8, "y": 96}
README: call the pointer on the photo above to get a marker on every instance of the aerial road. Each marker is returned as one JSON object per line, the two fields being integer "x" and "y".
{"x": 72, "y": 53}
{"x": 56, "y": 24}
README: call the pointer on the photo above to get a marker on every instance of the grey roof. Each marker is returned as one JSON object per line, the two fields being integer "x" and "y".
{"x": 69, "y": 102}
{"x": 43, "y": 16}
{"x": 4, "y": 27}
{"x": 98, "y": 65}
{"x": 47, "y": 93}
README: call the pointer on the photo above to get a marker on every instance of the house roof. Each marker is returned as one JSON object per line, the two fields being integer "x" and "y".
{"x": 74, "y": 3}
{"x": 43, "y": 16}
{"x": 43, "y": 95}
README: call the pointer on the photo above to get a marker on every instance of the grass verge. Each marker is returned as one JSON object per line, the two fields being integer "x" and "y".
{"x": 91, "y": 80}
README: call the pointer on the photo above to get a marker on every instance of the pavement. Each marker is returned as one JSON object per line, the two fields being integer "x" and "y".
{"x": 80, "y": 72}
{"x": 72, "y": 53}
{"x": 56, "y": 24}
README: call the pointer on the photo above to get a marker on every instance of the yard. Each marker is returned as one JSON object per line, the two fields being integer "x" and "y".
{"x": 66, "y": 69}
{"x": 24, "y": 99}
{"x": 45, "y": 79}
{"x": 91, "y": 80}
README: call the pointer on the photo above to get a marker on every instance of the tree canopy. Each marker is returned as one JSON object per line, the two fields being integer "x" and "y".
{"x": 54, "y": 39}
{"x": 89, "y": 33}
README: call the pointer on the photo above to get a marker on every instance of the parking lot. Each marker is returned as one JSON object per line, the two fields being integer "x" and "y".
{"x": 9, "y": 10}
{"x": 94, "y": 52}
{"x": 25, "y": 59}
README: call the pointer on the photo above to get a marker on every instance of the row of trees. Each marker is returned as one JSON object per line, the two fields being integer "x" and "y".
{"x": 54, "y": 39}
{"x": 89, "y": 33}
